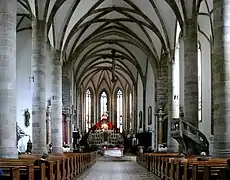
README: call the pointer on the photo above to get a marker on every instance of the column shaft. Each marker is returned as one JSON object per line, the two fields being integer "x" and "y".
{"x": 172, "y": 145}
{"x": 135, "y": 114}
{"x": 221, "y": 80}
{"x": 48, "y": 125}
{"x": 191, "y": 73}
{"x": 8, "y": 140}
{"x": 128, "y": 113}
{"x": 39, "y": 87}
{"x": 162, "y": 86}
{"x": 56, "y": 104}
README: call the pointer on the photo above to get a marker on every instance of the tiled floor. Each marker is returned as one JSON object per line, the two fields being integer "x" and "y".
{"x": 115, "y": 170}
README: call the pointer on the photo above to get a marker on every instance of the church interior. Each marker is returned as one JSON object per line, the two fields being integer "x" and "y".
{"x": 113, "y": 89}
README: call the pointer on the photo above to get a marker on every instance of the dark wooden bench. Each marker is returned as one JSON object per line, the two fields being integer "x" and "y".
{"x": 25, "y": 170}
{"x": 12, "y": 174}
{"x": 196, "y": 170}
{"x": 65, "y": 167}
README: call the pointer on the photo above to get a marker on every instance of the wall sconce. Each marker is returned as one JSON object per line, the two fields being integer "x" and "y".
{"x": 31, "y": 78}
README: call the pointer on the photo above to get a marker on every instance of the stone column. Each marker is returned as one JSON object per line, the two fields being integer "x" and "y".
{"x": 48, "y": 125}
{"x": 68, "y": 129}
{"x": 221, "y": 80}
{"x": 128, "y": 112}
{"x": 181, "y": 71}
{"x": 172, "y": 144}
{"x": 56, "y": 103}
{"x": 39, "y": 86}
{"x": 162, "y": 86}
{"x": 135, "y": 114}
{"x": 80, "y": 112}
{"x": 191, "y": 72}
{"x": 124, "y": 112}
{"x": 8, "y": 140}
{"x": 144, "y": 107}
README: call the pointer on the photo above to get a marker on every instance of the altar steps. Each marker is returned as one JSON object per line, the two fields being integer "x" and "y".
{"x": 129, "y": 158}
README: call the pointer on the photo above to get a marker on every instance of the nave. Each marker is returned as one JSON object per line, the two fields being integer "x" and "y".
{"x": 117, "y": 170}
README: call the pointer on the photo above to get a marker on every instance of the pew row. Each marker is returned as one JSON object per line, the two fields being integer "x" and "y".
{"x": 169, "y": 166}
{"x": 66, "y": 167}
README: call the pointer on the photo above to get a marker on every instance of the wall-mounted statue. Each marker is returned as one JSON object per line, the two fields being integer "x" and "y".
{"x": 27, "y": 117}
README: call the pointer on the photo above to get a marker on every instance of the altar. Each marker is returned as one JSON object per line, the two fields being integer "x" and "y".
{"x": 107, "y": 138}
{"x": 113, "y": 152}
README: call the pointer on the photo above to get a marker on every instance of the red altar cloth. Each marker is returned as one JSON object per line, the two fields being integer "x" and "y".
{"x": 99, "y": 125}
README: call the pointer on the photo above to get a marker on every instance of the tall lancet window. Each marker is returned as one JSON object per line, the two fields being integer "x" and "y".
{"x": 88, "y": 112}
{"x": 130, "y": 110}
{"x": 119, "y": 109}
{"x": 199, "y": 84}
{"x": 104, "y": 100}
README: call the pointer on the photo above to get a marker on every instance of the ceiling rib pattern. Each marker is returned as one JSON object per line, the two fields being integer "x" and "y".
{"x": 87, "y": 30}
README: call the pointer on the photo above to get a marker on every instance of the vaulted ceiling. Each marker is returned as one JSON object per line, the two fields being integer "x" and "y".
{"x": 86, "y": 31}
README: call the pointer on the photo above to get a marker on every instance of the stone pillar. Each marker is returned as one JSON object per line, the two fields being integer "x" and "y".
{"x": 172, "y": 144}
{"x": 56, "y": 103}
{"x": 80, "y": 111}
{"x": 181, "y": 71}
{"x": 124, "y": 112}
{"x": 191, "y": 72}
{"x": 48, "y": 125}
{"x": 8, "y": 140}
{"x": 162, "y": 86}
{"x": 221, "y": 80}
{"x": 144, "y": 107}
{"x": 39, "y": 86}
{"x": 68, "y": 129}
{"x": 128, "y": 112}
{"x": 135, "y": 114}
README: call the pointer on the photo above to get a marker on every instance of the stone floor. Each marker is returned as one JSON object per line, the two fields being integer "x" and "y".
{"x": 117, "y": 170}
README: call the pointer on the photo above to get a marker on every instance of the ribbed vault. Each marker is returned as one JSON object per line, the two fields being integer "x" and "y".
{"x": 87, "y": 30}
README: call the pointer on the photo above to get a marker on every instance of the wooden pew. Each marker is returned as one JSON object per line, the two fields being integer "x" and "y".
{"x": 47, "y": 171}
{"x": 14, "y": 174}
{"x": 26, "y": 171}
{"x": 65, "y": 167}
{"x": 192, "y": 168}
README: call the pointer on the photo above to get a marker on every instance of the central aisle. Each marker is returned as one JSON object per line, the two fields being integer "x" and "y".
{"x": 115, "y": 170}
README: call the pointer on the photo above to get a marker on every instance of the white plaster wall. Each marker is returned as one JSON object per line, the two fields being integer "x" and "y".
{"x": 139, "y": 101}
{"x": 205, "y": 125}
{"x": 150, "y": 96}
{"x": 24, "y": 93}
{"x": 150, "y": 101}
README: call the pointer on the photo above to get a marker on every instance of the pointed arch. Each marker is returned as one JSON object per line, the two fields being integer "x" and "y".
{"x": 88, "y": 108}
{"x": 103, "y": 100}
{"x": 119, "y": 96}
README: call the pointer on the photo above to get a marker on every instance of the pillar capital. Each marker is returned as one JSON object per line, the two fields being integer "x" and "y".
{"x": 39, "y": 26}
